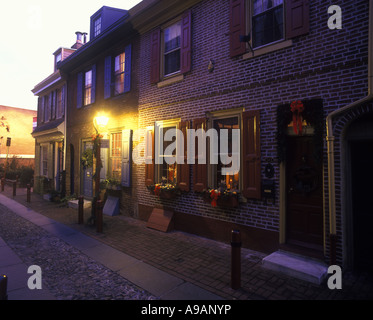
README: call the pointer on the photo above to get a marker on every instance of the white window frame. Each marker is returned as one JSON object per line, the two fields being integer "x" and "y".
{"x": 212, "y": 168}
{"x": 158, "y": 144}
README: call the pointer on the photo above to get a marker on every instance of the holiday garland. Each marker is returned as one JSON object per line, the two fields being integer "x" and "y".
{"x": 309, "y": 110}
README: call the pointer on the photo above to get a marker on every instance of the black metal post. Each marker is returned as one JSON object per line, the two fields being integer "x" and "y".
{"x": 81, "y": 210}
{"x": 99, "y": 217}
{"x": 236, "y": 259}
{"x": 14, "y": 188}
{"x": 3, "y": 287}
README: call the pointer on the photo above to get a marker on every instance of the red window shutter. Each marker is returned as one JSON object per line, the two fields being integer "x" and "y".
{"x": 251, "y": 155}
{"x": 155, "y": 56}
{"x": 186, "y": 42}
{"x": 237, "y": 27}
{"x": 183, "y": 169}
{"x": 200, "y": 170}
{"x": 149, "y": 157}
{"x": 297, "y": 18}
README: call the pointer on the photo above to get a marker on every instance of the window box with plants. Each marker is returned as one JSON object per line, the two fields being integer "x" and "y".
{"x": 164, "y": 190}
{"x": 222, "y": 197}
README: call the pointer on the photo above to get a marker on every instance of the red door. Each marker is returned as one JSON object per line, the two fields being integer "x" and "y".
{"x": 304, "y": 216}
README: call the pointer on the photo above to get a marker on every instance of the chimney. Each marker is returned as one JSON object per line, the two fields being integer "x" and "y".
{"x": 80, "y": 40}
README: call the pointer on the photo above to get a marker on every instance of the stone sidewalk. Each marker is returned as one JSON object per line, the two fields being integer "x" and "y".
{"x": 196, "y": 260}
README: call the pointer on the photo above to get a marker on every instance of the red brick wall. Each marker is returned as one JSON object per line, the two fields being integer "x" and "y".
{"x": 326, "y": 64}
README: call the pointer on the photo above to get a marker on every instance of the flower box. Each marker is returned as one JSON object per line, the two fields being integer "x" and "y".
{"x": 228, "y": 201}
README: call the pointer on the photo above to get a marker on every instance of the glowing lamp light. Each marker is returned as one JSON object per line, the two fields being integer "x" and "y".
{"x": 100, "y": 122}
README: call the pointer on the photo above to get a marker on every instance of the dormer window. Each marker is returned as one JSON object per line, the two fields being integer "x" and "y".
{"x": 97, "y": 26}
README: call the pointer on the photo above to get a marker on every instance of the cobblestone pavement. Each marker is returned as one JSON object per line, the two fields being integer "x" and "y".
{"x": 68, "y": 274}
{"x": 201, "y": 261}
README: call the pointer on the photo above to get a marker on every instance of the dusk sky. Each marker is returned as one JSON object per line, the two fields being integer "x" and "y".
{"x": 31, "y": 31}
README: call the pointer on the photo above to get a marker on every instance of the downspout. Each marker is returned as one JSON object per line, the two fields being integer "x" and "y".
{"x": 330, "y": 140}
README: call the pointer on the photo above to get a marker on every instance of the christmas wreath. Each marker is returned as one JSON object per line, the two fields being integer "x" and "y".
{"x": 87, "y": 158}
{"x": 309, "y": 110}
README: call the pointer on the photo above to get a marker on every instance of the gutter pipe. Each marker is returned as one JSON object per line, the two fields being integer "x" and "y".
{"x": 330, "y": 140}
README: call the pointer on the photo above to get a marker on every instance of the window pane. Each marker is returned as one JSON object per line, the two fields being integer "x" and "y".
{"x": 231, "y": 181}
{"x": 119, "y": 67}
{"x": 168, "y": 172}
{"x": 116, "y": 155}
{"x": 268, "y": 26}
{"x": 172, "y": 62}
{"x": 172, "y": 36}
{"x": 97, "y": 26}
{"x": 119, "y": 63}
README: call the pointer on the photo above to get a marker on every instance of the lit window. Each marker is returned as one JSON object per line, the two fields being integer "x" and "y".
{"x": 116, "y": 155}
{"x": 230, "y": 181}
{"x": 166, "y": 171}
{"x": 88, "y": 88}
{"x": 119, "y": 67}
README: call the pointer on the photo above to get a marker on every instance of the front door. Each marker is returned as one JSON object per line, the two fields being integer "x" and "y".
{"x": 87, "y": 173}
{"x": 304, "y": 215}
{"x": 362, "y": 209}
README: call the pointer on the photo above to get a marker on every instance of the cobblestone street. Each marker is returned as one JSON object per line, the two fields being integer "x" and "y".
{"x": 69, "y": 274}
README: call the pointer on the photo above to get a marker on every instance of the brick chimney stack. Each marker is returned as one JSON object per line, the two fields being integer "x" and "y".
{"x": 81, "y": 39}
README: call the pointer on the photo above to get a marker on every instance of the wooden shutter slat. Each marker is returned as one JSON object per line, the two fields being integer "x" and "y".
{"x": 200, "y": 170}
{"x": 155, "y": 56}
{"x": 237, "y": 27}
{"x": 127, "y": 68}
{"x": 297, "y": 18}
{"x": 251, "y": 155}
{"x": 186, "y": 42}
{"x": 149, "y": 157}
{"x": 107, "y": 78}
{"x": 183, "y": 170}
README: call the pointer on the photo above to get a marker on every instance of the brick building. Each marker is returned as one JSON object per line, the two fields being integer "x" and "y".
{"x": 102, "y": 81}
{"x": 215, "y": 79}
{"x": 272, "y": 69}
{"x": 17, "y": 124}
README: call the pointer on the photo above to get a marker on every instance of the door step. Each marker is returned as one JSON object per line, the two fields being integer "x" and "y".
{"x": 297, "y": 266}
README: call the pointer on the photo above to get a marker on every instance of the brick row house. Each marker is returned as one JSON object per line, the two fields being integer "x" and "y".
{"x": 49, "y": 133}
{"x": 294, "y": 95}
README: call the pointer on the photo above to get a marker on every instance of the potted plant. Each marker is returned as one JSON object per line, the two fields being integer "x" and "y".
{"x": 113, "y": 184}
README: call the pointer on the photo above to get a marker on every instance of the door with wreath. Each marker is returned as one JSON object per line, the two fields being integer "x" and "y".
{"x": 87, "y": 169}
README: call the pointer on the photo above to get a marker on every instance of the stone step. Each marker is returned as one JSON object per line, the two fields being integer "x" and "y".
{"x": 297, "y": 266}
{"x": 75, "y": 204}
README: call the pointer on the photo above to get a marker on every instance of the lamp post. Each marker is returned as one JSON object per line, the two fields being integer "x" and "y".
{"x": 99, "y": 123}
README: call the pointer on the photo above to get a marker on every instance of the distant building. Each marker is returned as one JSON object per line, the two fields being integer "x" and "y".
{"x": 49, "y": 129}
{"x": 16, "y": 124}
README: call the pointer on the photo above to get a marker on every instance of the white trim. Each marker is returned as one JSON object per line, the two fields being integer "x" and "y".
{"x": 48, "y": 85}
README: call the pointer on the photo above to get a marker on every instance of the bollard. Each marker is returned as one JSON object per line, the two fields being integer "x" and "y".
{"x": 3, "y": 287}
{"x": 81, "y": 210}
{"x": 236, "y": 259}
{"x": 99, "y": 217}
{"x": 14, "y": 188}
{"x": 28, "y": 193}
{"x": 2, "y": 184}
